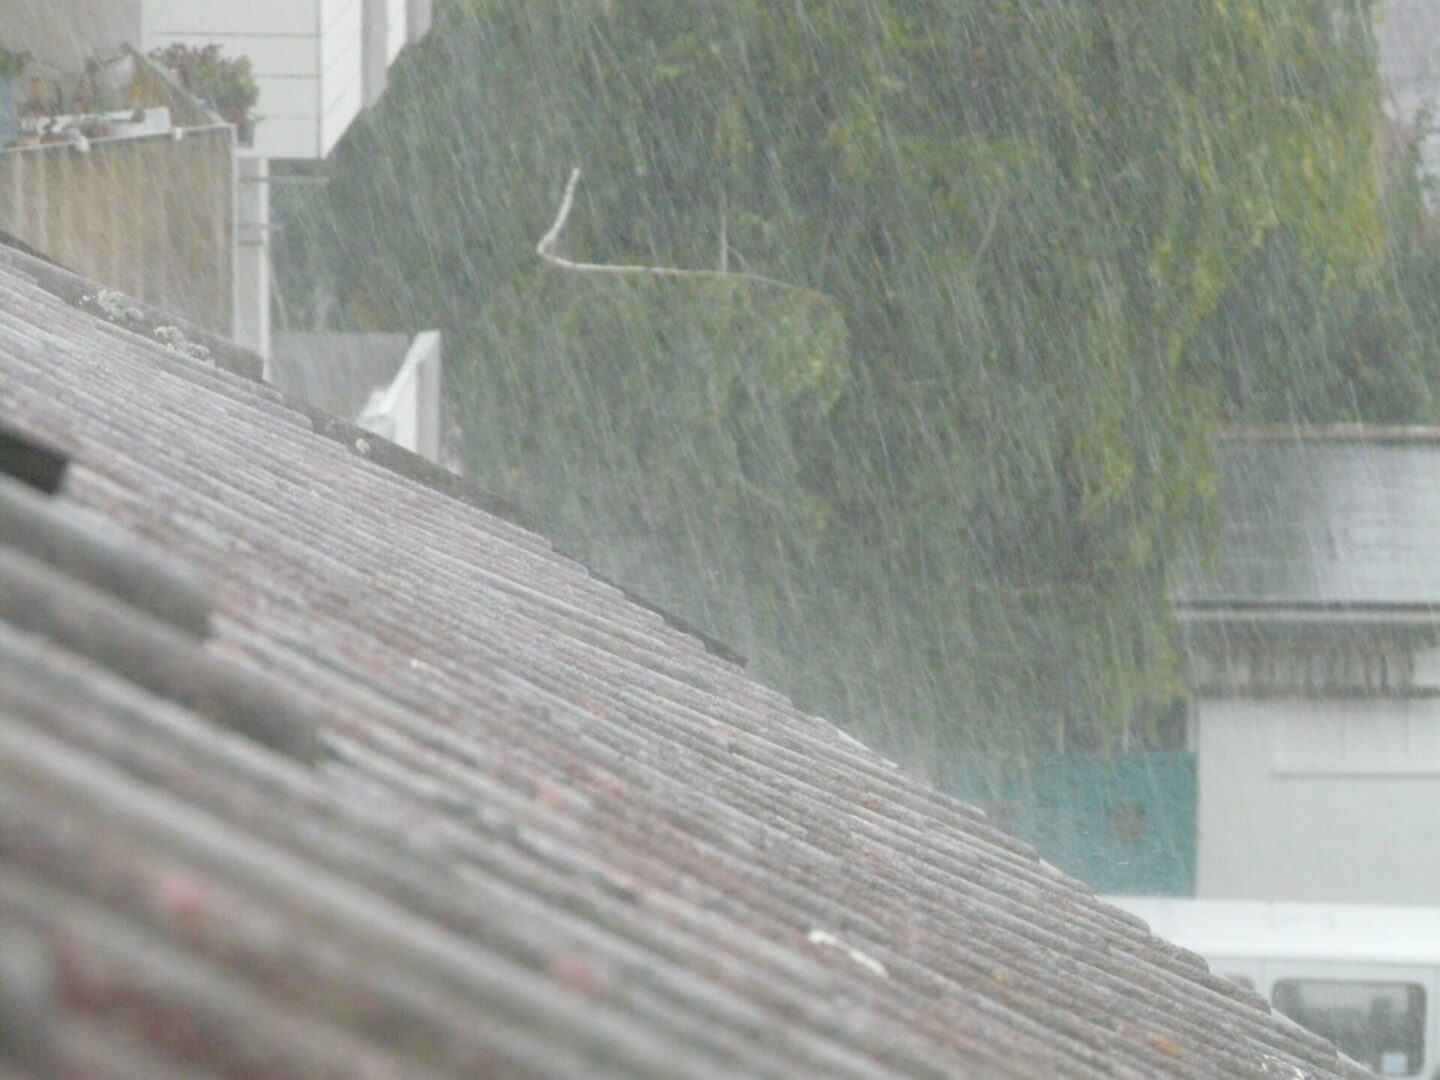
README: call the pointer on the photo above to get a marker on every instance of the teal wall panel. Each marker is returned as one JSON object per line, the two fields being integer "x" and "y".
{"x": 1125, "y": 823}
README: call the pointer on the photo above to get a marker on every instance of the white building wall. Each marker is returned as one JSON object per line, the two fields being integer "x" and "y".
{"x": 306, "y": 56}
{"x": 1320, "y": 799}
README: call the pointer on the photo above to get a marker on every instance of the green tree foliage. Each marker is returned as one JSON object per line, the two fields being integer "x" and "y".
{"x": 1042, "y": 247}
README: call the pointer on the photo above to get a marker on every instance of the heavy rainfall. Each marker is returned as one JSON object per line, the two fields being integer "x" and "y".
{"x": 1046, "y": 393}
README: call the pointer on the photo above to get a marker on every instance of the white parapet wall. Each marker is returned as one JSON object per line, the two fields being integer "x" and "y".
{"x": 407, "y": 411}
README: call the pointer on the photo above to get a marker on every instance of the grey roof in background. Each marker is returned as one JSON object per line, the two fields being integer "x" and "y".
{"x": 1323, "y": 517}
{"x": 418, "y": 797}
{"x": 336, "y": 372}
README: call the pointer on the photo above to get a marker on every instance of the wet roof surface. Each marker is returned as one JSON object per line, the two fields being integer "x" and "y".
{"x": 310, "y": 769}
{"x": 1324, "y": 516}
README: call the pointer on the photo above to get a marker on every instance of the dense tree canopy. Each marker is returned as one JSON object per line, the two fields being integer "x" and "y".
{"x": 1033, "y": 252}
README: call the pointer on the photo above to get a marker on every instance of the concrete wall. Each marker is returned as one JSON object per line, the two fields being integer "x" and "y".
{"x": 1307, "y": 796}
{"x": 66, "y": 33}
{"x": 150, "y": 216}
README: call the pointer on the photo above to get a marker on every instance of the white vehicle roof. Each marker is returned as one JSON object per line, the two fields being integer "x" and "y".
{"x": 1250, "y": 929}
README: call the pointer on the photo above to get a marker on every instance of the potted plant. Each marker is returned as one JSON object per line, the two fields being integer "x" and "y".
{"x": 12, "y": 66}
{"x": 225, "y": 83}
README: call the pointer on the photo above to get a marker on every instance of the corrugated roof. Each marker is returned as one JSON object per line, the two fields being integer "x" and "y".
{"x": 1342, "y": 516}
{"x": 418, "y": 797}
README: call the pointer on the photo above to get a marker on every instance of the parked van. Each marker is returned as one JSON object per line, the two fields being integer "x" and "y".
{"x": 1363, "y": 976}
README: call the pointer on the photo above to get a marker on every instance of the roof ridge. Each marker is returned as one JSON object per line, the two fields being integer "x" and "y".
{"x": 152, "y": 324}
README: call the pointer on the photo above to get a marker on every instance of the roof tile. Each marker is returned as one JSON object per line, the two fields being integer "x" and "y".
{"x": 551, "y": 834}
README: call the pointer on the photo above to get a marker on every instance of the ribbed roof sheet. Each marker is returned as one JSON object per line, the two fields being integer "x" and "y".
{"x": 423, "y": 798}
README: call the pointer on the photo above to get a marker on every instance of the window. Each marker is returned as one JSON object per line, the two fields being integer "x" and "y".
{"x": 1381, "y": 1025}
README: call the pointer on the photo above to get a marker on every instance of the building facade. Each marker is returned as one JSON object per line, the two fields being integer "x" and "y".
{"x": 1313, "y": 636}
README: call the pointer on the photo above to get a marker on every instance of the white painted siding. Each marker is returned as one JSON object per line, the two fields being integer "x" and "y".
{"x": 270, "y": 54}
{"x": 233, "y": 17}
{"x": 305, "y": 55}
{"x": 330, "y": 10}
{"x": 308, "y": 57}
